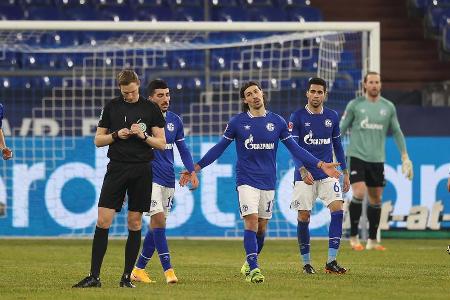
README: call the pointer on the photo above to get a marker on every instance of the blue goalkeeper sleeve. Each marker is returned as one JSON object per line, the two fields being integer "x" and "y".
{"x": 214, "y": 153}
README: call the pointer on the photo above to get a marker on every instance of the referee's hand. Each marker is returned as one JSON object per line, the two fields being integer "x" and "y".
{"x": 136, "y": 130}
{"x": 124, "y": 133}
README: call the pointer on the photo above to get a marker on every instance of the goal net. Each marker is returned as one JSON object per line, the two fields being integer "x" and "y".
{"x": 57, "y": 76}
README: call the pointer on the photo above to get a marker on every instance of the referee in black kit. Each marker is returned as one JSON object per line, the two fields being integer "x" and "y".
{"x": 131, "y": 126}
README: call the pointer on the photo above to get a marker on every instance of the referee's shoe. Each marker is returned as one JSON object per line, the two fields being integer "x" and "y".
{"x": 125, "y": 281}
{"x": 88, "y": 282}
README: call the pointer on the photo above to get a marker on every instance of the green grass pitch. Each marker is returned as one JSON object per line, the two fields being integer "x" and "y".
{"x": 209, "y": 269}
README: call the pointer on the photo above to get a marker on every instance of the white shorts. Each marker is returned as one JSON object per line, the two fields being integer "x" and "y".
{"x": 162, "y": 199}
{"x": 255, "y": 201}
{"x": 304, "y": 196}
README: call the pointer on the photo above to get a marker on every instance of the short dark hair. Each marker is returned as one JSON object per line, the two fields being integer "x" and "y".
{"x": 127, "y": 76}
{"x": 370, "y": 73}
{"x": 317, "y": 81}
{"x": 155, "y": 85}
{"x": 242, "y": 92}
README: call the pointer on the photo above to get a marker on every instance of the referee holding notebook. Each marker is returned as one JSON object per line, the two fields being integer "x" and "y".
{"x": 131, "y": 126}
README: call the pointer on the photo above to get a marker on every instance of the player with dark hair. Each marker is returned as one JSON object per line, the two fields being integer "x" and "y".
{"x": 131, "y": 126}
{"x": 163, "y": 189}
{"x": 316, "y": 128}
{"x": 256, "y": 132}
{"x": 369, "y": 118}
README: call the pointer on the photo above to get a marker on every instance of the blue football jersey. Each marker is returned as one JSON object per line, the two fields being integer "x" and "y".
{"x": 315, "y": 133}
{"x": 162, "y": 165}
{"x": 256, "y": 147}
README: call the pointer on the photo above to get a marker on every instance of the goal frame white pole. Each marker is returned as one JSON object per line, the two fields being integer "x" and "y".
{"x": 373, "y": 28}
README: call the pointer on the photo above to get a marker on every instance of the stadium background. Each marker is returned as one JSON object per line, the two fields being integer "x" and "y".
{"x": 55, "y": 83}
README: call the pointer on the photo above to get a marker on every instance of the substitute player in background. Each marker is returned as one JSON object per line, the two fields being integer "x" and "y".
{"x": 163, "y": 189}
{"x": 131, "y": 126}
{"x": 369, "y": 118}
{"x": 6, "y": 152}
{"x": 256, "y": 132}
{"x": 316, "y": 128}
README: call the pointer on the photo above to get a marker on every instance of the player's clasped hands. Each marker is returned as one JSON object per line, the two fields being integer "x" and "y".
{"x": 188, "y": 177}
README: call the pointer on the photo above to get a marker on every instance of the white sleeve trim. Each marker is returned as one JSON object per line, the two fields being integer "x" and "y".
{"x": 180, "y": 140}
{"x": 286, "y": 138}
{"x": 228, "y": 138}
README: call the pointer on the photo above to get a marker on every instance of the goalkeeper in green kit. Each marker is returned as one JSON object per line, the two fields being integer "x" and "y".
{"x": 369, "y": 117}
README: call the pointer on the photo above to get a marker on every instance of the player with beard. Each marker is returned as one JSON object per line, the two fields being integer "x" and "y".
{"x": 163, "y": 186}
{"x": 369, "y": 117}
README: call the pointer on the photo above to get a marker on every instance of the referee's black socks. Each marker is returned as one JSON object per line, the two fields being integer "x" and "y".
{"x": 132, "y": 250}
{"x": 355, "y": 209}
{"x": 99, "y": 245}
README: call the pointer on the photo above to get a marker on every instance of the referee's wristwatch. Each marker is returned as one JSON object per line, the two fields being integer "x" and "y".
{"x": 145, "y": 136}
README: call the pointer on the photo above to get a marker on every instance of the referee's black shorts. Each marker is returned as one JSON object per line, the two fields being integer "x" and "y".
{"x": 135, "y": 179}
{"x": 369, "y": 172}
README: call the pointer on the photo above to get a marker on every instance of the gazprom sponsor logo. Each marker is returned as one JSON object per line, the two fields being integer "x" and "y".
{"x": 373, "y": 126}
{"x": 257, "y": 146}
{"x": 309, "y": 140}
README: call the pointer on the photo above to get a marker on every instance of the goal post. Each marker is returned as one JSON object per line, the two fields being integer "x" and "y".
{"x": 57, "y": 75}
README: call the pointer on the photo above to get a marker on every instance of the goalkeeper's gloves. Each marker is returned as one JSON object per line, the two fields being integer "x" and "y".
{"x": 407, "y": 167}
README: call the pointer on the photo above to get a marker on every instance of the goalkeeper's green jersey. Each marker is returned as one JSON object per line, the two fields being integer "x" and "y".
{"x": 369, "y": 122}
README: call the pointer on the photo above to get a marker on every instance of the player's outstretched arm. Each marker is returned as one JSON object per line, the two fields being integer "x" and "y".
{"x": 214, "y": 153}
{"x": 300, "y": 153}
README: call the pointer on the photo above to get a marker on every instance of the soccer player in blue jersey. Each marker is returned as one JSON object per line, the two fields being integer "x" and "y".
{"x": 316, "y": 128}
{"x": 256, "y": 132}
{"x": 6, "y": 152}
{"x": 163, "y": 186}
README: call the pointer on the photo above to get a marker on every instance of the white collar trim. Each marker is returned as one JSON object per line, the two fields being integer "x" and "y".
{"x": 252, "y": 116}
{"x": 312, "y": 113}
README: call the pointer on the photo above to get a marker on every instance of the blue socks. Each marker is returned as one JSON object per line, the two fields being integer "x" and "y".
{"x": 155, "y": 238}
{"x": 159, "y": 235}
{"x": 148, "y": 249}
{"x": 304, "y": 241}
{"x": 260, "y": 242}
{"x": 251, "y": 248}
{"x": 334, "y": 234}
